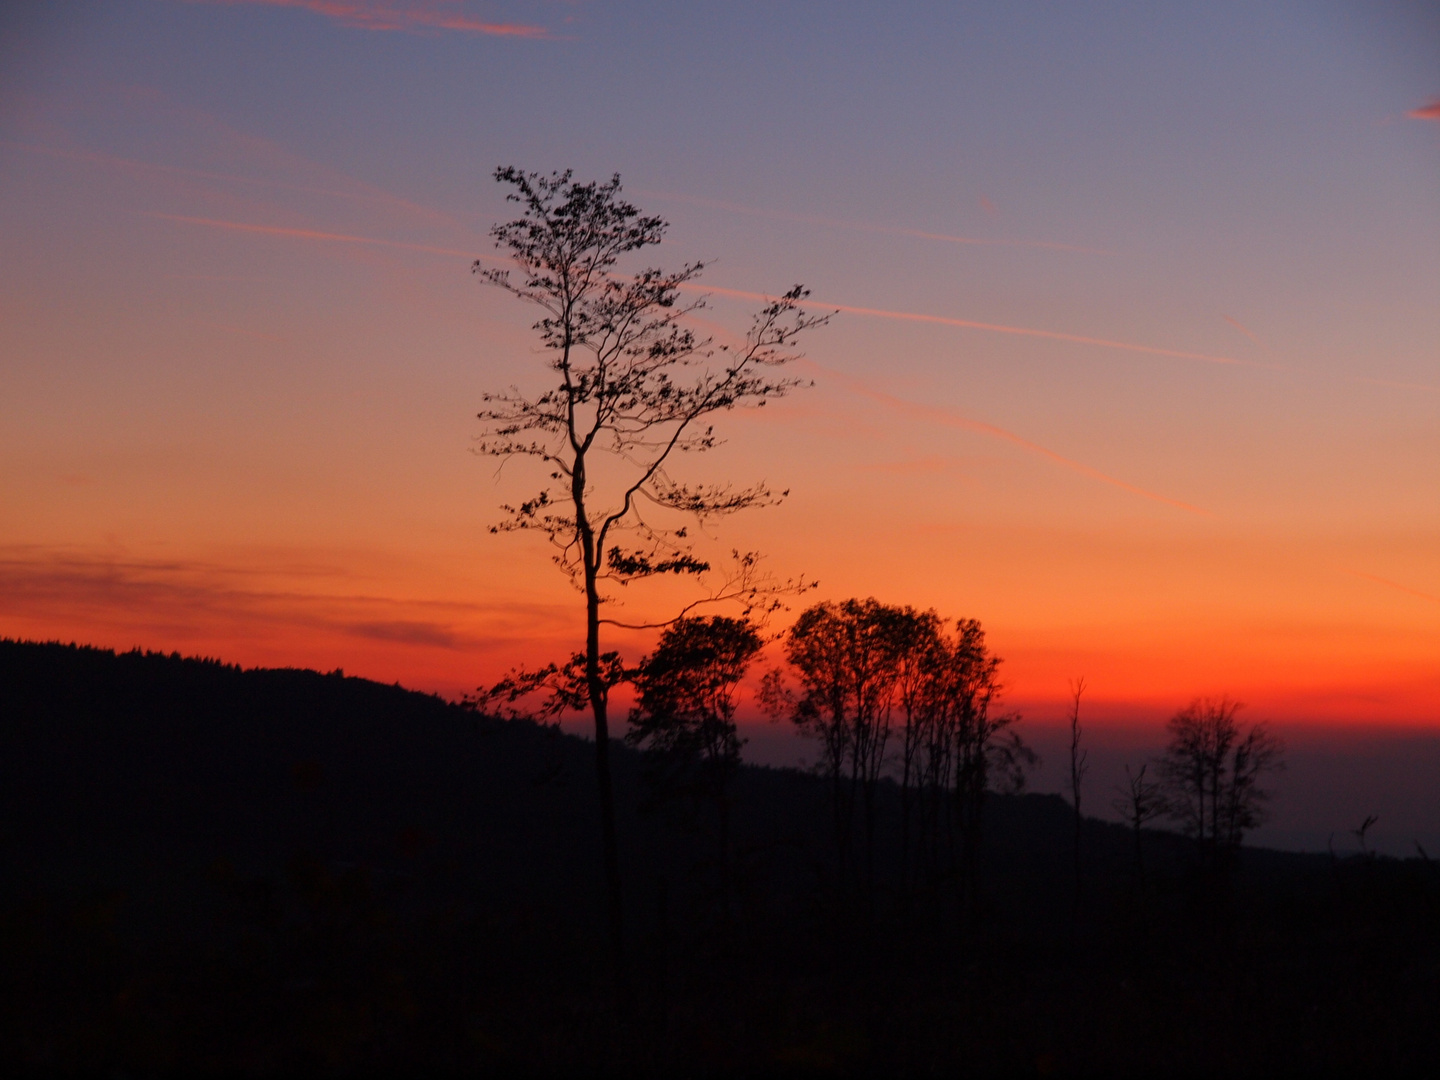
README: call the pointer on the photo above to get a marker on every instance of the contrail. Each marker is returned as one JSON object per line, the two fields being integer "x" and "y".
{"x": 1236, "y": 324}
{"x": 383, "y": 17}
{"x": 312, "y": 234}
{"x": 865, "y": 226}
{"x": 951, "y": 419}
{"x": 931, "y": 413}
{"x": 995, "y": 328}
{"x": 1395, "y": 585}
{"x": 92, "y": 157}
{"x": 879, "y": 313}
{"x": 1393, "y": 384}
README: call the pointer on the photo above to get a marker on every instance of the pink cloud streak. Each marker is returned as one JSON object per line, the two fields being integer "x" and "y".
{"x": 313, "y": 234}
{"x": 904, "y": 316}
{"x": 996, "y": 328}
{"x": 865, "y": 226}
{"x": 1237, "y": 325}
{"x": 947, "y": 418}
{"x": 368, "y": 15}
{"x": 1426, "y": 112}
{"x": 130, "y": 165}
{"x": 936, "y": 415}
{"x": 1395, "y": 585}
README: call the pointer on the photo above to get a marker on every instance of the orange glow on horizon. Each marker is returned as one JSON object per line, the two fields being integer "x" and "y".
{"x": 416, "y": 630}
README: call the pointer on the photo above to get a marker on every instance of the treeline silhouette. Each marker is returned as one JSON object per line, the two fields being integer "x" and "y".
{"x": 260, "y": 870}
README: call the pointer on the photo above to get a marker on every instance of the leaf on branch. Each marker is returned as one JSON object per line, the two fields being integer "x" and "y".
{"x": 635, "y": 564}
{"x": 712, "y": 500}
{"x": 553, "y": 690}
{"x": 775, "y": 698}
{"x": 758, "y": 594}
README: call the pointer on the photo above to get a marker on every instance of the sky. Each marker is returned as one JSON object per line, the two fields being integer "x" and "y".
{"x": 1136, "y": 353}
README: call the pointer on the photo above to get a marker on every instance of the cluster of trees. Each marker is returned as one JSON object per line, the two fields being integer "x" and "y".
{"x": 886, "y": 692}
{"x": 1210, "y": 781}
{"x": 890, "y": 694}
{"x": 891, "y": 690}
{"x": 880, "y": 688}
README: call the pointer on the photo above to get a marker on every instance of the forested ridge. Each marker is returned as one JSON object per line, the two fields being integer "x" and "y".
{"x": 259, "y": 870}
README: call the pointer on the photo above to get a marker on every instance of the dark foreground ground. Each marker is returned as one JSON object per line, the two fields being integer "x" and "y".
{"x": 261, "y": 872}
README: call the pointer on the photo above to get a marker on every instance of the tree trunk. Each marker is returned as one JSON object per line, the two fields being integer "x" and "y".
{"x": 905, "y": 827}
{"x": 723, "y": 807}
{"x": 610, "y": 845}
{"x": 1078, "y": 870}
{"x": 609, "y": 839}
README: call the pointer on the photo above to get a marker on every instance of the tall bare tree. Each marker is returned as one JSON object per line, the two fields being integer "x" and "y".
{"x": 630, "y": 388}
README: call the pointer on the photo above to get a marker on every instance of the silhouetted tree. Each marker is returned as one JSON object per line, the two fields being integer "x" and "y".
{"x": 684, "y": 716}
{"x": 859, "y": 662}
{"x": 988, "y": 751}
{"x": 1213, "y": 772}
{"x": 553, "y": 690}
{"x": 1140, "y": 802}
{"x": 1078, "y": 768}
{"x": 848, "y": 657}
{"x": 1362, "y": 836}
{"x": 630, "y": 388}
{"x": 954, "y": 747}
{"x": 918, "y": 692}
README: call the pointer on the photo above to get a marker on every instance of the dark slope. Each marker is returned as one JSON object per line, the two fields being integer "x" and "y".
{"x": 113, "y": 767}
{"x": 106, "y": 757}
{"x": 205, "y": 867}
{"x": 110, "y": 763}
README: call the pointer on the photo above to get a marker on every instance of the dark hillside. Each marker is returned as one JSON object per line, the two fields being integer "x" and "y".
{"x": 177, "y": 763}
{"x": 116, "y": 763}
{"x": 208, "y": 867}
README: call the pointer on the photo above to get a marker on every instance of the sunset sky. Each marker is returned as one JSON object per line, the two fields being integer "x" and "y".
{"x": 1137, "y": 357}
